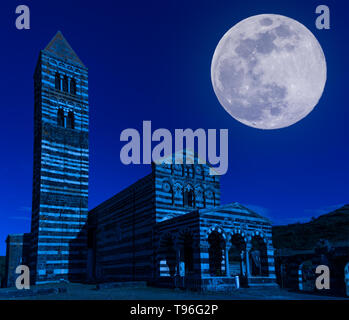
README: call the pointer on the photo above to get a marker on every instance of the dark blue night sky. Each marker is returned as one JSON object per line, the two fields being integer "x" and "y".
{"x": 150, "y": 60}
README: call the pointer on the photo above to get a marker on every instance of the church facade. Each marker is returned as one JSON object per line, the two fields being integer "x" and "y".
{"x": 168, "y": 229}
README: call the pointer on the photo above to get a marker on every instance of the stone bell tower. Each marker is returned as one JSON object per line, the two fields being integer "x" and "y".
{"x": 61, "y": 163}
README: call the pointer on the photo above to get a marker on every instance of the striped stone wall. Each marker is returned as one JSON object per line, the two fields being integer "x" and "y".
{"x": 177, "y": 229}
{"x": 125, "y": 225}
{"x": 172, "y": 181}
{"x": 150, "y": 232}
{"x": 61, "y": 163}
{"x": 17, "y": 253}
{"x": 124, "y": 234}
{"x": 229, "y": 220}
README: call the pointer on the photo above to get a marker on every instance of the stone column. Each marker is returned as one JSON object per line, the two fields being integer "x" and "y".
{"x": 271, "y": 261}
{"x": 243, "y": 263}
{"x": 227, "y": 247}
{"x": 247, "y": 257}
{"x": 158, "y": 259}
{"x": 178, "y": 275}
{"x": 178, "y": 259}
{"x": 346, "y": 278}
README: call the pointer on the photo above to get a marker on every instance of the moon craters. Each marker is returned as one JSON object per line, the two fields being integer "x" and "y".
{"x": 260, "y": 71}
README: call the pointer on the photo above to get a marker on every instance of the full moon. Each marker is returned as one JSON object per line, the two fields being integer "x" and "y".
{"x": 268, "y": 71}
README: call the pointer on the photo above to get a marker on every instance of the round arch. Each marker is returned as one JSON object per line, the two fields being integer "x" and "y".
{"x": 216, "y": 239}
{"x": 187, "y": 245}
{"x": 217, "y": 228}
{"x": 237, "y": 240}
{"x": 258, "y": 256}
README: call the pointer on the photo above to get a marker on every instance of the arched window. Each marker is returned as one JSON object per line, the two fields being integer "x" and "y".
{"x": 199, "y": 197}
{"x": 177, "y": 194}
{"x": 60, "y": 117}
{"x": 189, "y": 198}
{"x": 58, "y": 81}
{"x": 71, "y": 120}
{"x": 216, "y": 252}
{"x": 65, "y": 83}
{"x": 73, "y": 86}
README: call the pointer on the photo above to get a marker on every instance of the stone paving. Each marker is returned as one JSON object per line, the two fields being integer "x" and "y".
{"x": 90, "y": 292}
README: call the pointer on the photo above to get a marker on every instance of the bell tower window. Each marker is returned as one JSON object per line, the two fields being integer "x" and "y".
{"x": 71, "y": 120}
{"x": 65, "y": 83}
{"x": 60, "y": 117}
{"x": 73, "y": 86}
{"x": 58, "y": 81}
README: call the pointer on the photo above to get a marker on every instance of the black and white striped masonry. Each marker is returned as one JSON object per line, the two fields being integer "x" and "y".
{"x": 61, "y": 162}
